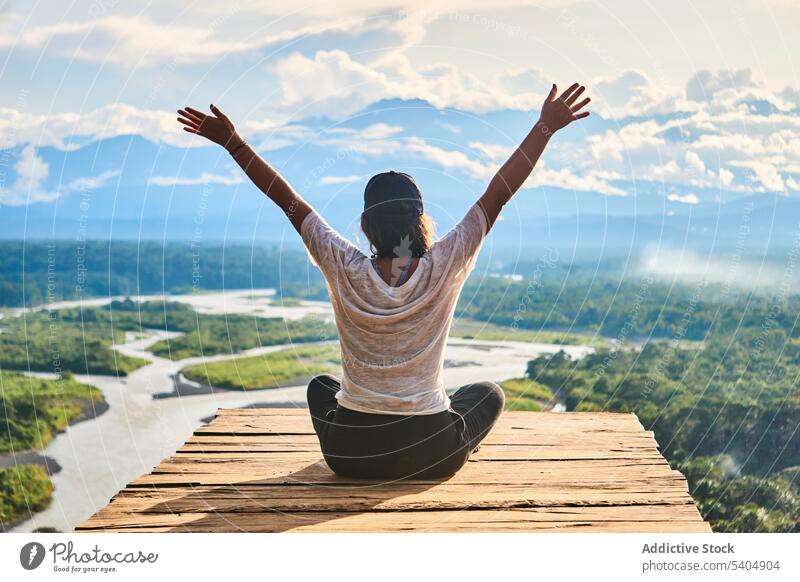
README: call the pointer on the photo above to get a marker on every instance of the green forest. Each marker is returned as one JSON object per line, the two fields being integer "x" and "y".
{"x": 715, "y": 378}
{"x": 37, "y": 408}
{"x": 710, "y": 368}
{"x": 24, "y": 489}
{"x": 39, "y": 272}
{"x": 81, "y": 340}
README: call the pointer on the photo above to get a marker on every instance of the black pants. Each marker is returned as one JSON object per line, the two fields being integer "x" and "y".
{"x": 390, "y": 446}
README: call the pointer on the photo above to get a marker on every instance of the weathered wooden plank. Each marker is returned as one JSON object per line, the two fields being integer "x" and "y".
{"x": 499, "y": 472}
{"x": 261, "y": 470}
{"x": 510, "y": 453}
{"x": 270, "y": 470}
{"x": 396, "y": 497}
{"x": 643, "y": 518}
{"x": 312, "y": 444}
{"x": 520, "y": 437}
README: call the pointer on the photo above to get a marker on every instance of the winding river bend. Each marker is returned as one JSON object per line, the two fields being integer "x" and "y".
{"x": 100, "y": 456}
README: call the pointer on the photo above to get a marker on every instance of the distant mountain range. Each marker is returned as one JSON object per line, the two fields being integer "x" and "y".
{"x": 155, "y": 191}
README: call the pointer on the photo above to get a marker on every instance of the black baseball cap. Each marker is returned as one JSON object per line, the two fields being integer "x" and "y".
{"x": 391, "y": 186}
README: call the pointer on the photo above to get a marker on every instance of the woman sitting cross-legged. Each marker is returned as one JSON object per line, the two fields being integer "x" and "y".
{"x": 389, "y": 417}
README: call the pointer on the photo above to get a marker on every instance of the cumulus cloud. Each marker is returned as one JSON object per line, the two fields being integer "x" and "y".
{"x": 684, "y": 198}
{"x": 632, "y": 94}
{"x": 568, "y": 179}
{"x": 139, "y": 33}
{"x": 92, "y": 182}
{"x": 730, "y": 133}
{"x": 134, "y": 40}
{"x": 716, "y": 134}
{"x": 705, "y": 84}
{"x": 494, "y": 152}
{"x": 469, "y": 166}
{"x": 335, "y": 180}
{"x": 525, "y": 81}
{"x": 28, "y": 187}
{"x": 374, "y": 131}
{"x": 31, "y": 174}
{"x": 232, "y": 179}
{"x": 69, "y": 130}
{"x": 765, "y": 175}
{"x": 334, "y": 84}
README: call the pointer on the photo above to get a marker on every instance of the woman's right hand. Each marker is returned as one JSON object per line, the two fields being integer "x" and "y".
{"x": 216, "y": 127}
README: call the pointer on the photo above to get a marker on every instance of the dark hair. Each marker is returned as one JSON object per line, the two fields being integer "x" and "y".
{"x": 393, "y": 227}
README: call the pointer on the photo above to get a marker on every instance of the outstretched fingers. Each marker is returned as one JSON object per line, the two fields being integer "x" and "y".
{"x": 566, "y": 94}
{"x": 191, "y": 115}
{"x": 575, "y": 95}
{"x": 189, "y": 125}
{"x": 198, "y": 114}
{"x": 580, "y": 115}
{"x": 581, "y": 105}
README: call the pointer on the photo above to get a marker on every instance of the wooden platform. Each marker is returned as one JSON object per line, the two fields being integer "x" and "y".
{"x": 261, "y": 470}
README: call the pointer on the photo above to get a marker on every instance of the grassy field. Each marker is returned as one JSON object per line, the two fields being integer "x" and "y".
{"x": 208, "y": 335}
{"x": 24, "y": 489}
{"x": 34, "y": 409}
{"x": 269, "y": 370}
{"x": 479, "y": 330}
{"x": 525, "y": 394}
{"x": 47, "y": 342}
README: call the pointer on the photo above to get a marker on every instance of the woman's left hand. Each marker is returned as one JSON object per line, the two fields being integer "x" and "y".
{"x": 559, "y": 112}
{"x": 216, "y": 127}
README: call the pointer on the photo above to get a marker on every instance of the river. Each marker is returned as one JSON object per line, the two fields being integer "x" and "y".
{"x": 100, "y": 456}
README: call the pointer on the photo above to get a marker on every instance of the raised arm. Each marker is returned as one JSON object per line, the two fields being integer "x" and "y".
{"x": 556, "y": 114}
{"x": 219, "y": 129}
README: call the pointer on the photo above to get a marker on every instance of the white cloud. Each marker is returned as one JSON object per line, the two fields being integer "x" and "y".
{"x": 374, "y": 131}
{"x": 69, "y": 130}
{"x": 495, "y": 152}
{"x": 567, "y": 179}
{"x": 232, "y": 179}
{"x": 728, "y": 141}
{"x": 765, "y": 174}
{"x": 333, "y": 84}
{"x": 688, "y": 198}
{"x": 30, "y": 167}
{"x": 450, "y": 159}
{"x": 136, "y": 41}
{"x": 31, "y": 173}
{"x": 725, "y": 177}
{"x": 92, "y": 182}
{"x": 726, "y": 126}
{"x": 331, "y": 81}
{"x": 147, "y": 34}
{"x": 705, "y": 84}
{"x": 694, "y": 163}
{"x": 525, "y": 81}
{"x": 334, "y": 180}
{"x": 28, "y": 187}
{"x": 632, "y": 94}
{"x": 619, "y": 144}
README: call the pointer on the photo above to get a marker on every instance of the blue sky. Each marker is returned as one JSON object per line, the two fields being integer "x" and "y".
{"x": 701, "y": 99}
